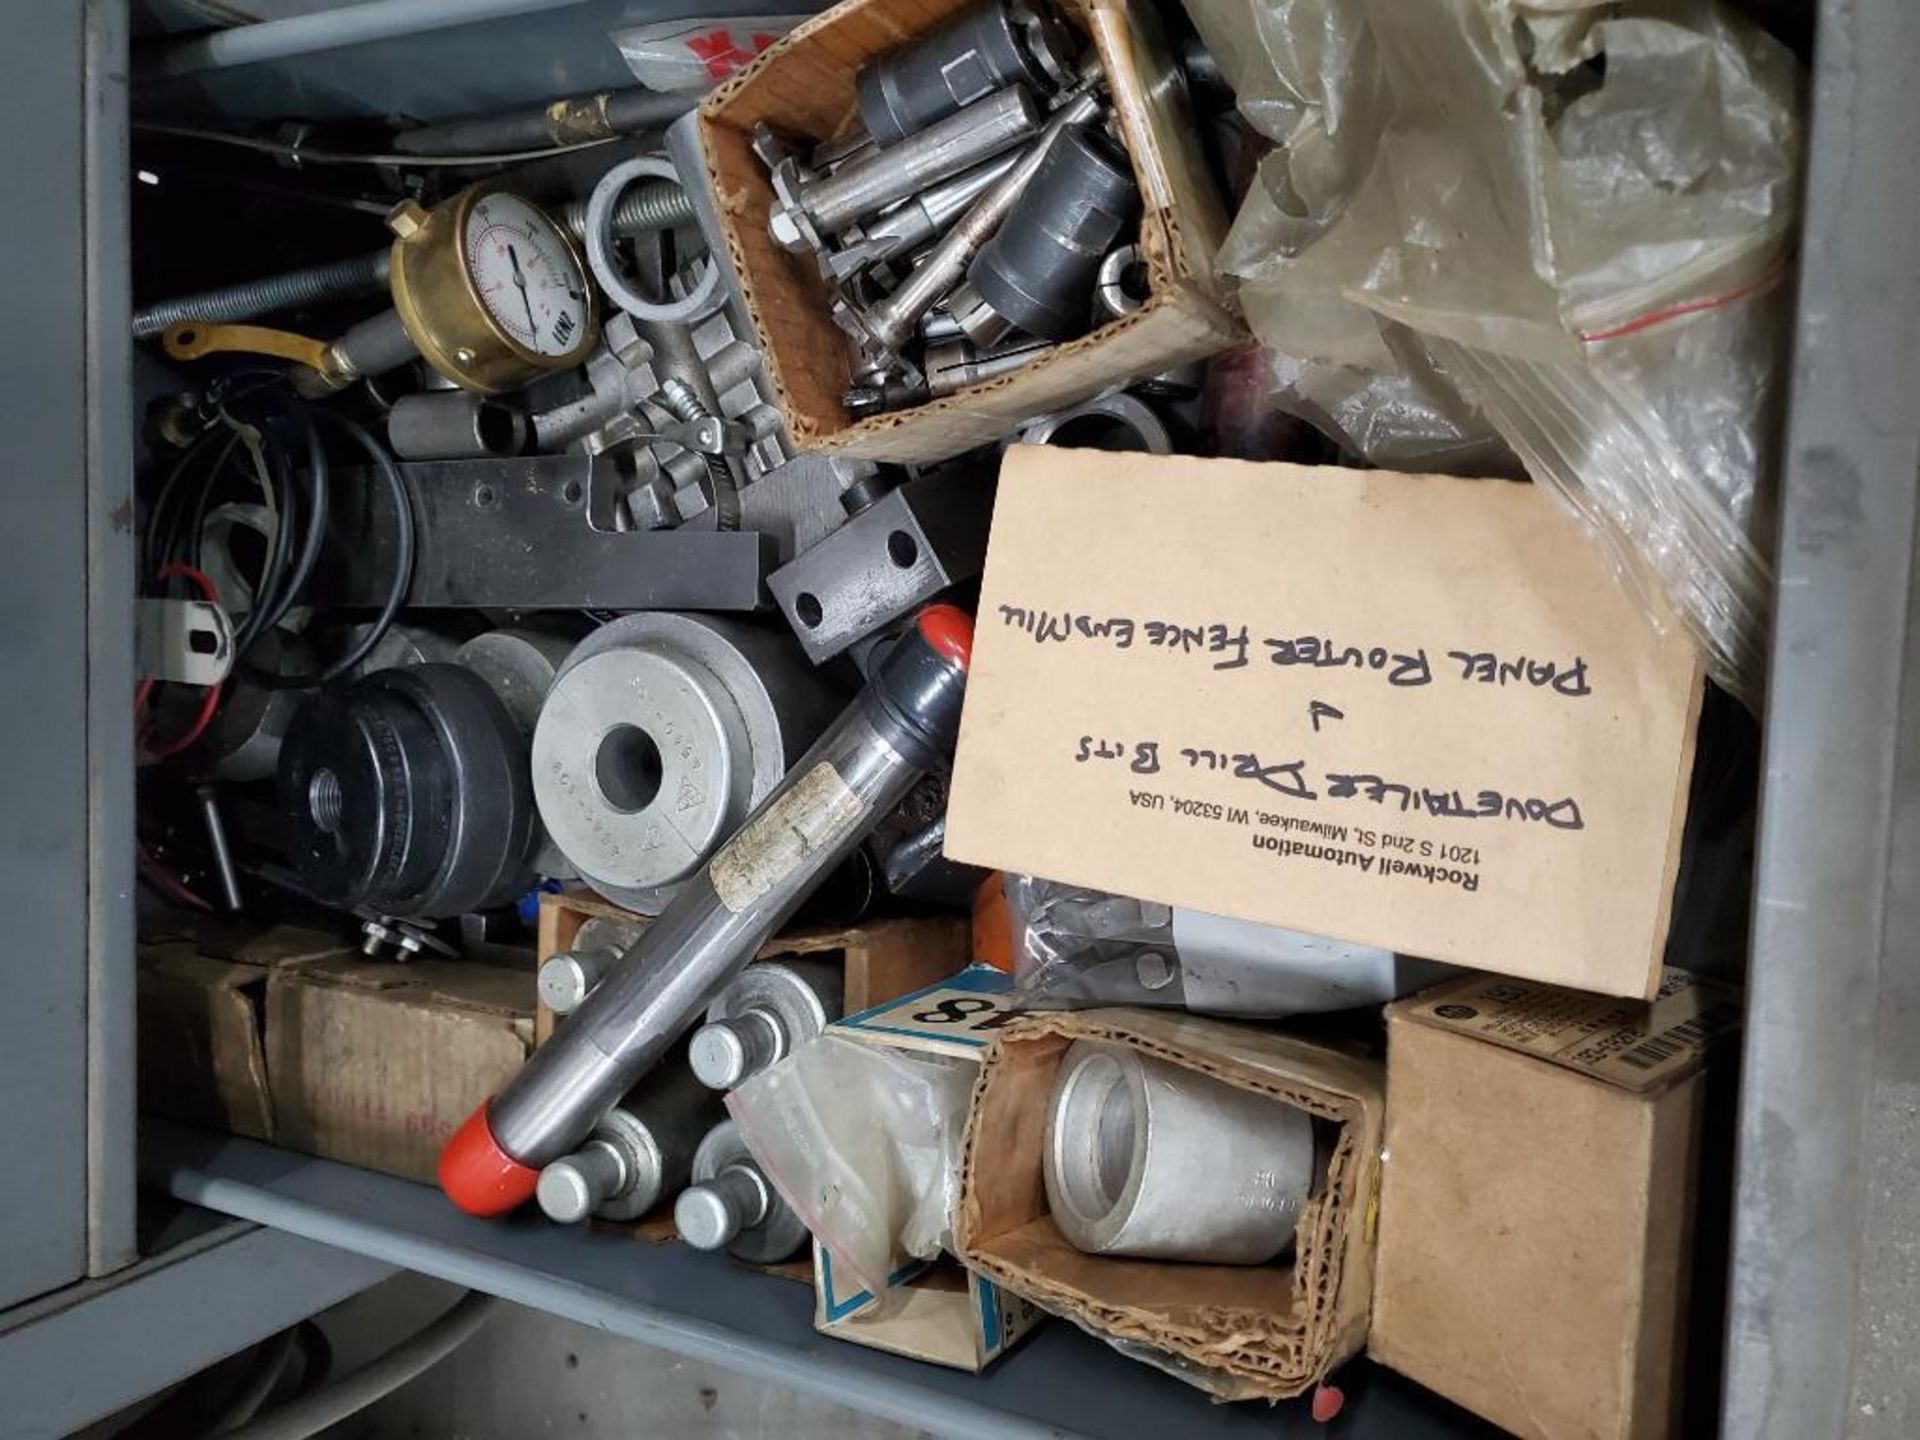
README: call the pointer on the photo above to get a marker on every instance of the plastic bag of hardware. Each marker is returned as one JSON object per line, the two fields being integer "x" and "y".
{"x": 699, "y": 53}
{"x": 1075, "y": 948}
{"x": 1579, "y": 214}
{"x": 864, "y": 1144}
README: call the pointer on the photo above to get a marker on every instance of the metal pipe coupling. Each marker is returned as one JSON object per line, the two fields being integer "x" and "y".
{"x": 1155, "y": 1161}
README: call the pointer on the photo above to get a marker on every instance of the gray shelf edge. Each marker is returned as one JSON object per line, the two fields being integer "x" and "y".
{"x": 161, "y": 1319}
{"x": 1060, "y": 1382}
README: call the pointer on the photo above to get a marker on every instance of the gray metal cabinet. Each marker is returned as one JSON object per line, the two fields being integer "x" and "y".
{"x": 1826, "y": 1290}
{"x": 66, "y": 761}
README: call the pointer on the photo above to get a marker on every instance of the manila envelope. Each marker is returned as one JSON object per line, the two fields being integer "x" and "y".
{"x": 1408, "y": 710}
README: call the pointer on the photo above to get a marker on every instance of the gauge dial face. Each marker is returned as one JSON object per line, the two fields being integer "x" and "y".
{"x": 525, "y": 275}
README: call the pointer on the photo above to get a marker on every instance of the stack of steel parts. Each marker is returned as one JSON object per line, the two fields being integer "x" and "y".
{"x": 966, "y": 229}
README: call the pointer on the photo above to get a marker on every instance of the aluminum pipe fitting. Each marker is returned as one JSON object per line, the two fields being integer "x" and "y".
{"x": 661, "y": 734}
{"x": 1155, "y": 1161}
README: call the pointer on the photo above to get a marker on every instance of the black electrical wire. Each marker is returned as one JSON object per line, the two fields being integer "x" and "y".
{"x": 403, "y": 541}
{"x": 272, "y": 607}
{"x": 164, "y": 532}
{"x": 285, "y": 501}
{"x": 300, "y": 496}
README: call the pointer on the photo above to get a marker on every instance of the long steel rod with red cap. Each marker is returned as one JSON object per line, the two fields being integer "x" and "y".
{"x": 900, "y": 726}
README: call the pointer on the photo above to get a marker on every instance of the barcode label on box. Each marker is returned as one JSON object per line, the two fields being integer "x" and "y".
{"x": 1637, "y": 1045}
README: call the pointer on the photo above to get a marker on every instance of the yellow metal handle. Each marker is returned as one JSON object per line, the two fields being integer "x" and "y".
{"x": 190, "y": 339}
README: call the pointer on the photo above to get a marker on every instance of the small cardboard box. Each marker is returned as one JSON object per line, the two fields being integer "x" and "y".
{"x": 1412, "y": 711}
{"x": 1537, "y": 1204}
{"x": 1241, "y": 1331}
{"x": 804, "y": 86}
{"x": 202, "y": 1020}
{"x": 938, "y": 1311}
{"x": 376, "y": 1064}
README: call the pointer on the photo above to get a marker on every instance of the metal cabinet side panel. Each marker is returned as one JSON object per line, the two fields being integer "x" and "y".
{"x": 43, "y": 597}
{"x": 109, "y": 644}
{"x": 1826, "y": 1283}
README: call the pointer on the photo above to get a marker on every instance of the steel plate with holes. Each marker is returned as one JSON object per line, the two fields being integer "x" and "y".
{"x": 513, "y": 534}
{"x": 898, "y": 553}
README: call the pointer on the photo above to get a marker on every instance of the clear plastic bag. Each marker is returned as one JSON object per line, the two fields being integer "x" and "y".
{"x": 697, "y": 53}
{"x": 1075, "y": 947}
{"x": 864, "y": 1144}
{"x": 1562, "y": 223}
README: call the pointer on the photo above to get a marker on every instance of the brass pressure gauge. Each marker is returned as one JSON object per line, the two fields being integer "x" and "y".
{"x": 491, "y": 289}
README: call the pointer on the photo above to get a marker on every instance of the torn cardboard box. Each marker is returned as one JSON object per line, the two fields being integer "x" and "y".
{"x": 804, "y": 86}
{"x": 201, "y": 1024}
{"x": 376, "y": 1064}
{"x": 1537, "y": 1200}
{"x": 202, "y": 989}
{"x": 941, "y": 1312}
{"x": 1411, "y": 711}
{"x": 1241, "y": 1332}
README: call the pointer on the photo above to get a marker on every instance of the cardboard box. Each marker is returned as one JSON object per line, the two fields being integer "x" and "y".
{"x": 803, "y": 86}
{"x": 1537, "y": 1204}
{"x": 938, "y": 1311}
{"x": 201, "y": 1052}
{"x": 375, "y": 1063}
{"x": 201, "y": 1011}
{"x": 941, "y": 1312}
{"x": 1412, "y": 711}
{"x": 883, "y": 958}
{"x": 1241, "y": 1331}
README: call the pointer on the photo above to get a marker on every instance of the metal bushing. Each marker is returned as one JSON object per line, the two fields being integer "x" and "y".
{"x": 1122, "y": 284}
{"x": 1000, "y": 42}
{"x": 566, "y": 976}
{"x": 1156, "y": 1161}
{"x": 454, "y": 425}
{"x": 243, "y": 742}
{"x": 704, "y": 293}
{"x": 1109, "y": 422}
{"x": 407, "y": 792}
{"x": 641, "y": 1151}
{"x": 661, "y": 733}
{"x": 1037, "y": 273}
{"x": 771, "y": 1008}
{"x": 732, "y": 1205}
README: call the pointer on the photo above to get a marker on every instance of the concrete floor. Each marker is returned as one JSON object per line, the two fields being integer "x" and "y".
{"x": 528, "y": 1374}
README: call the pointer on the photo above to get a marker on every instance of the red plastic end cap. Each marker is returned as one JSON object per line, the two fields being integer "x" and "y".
{"x": 949, "y": 630}
{"x": 480, "y": 1177}
{"x": 1328, "y": 1401}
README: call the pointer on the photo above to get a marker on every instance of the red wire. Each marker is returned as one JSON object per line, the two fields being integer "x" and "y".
{"x": 209, "y": 703}
{"x": 168, "y": 881}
